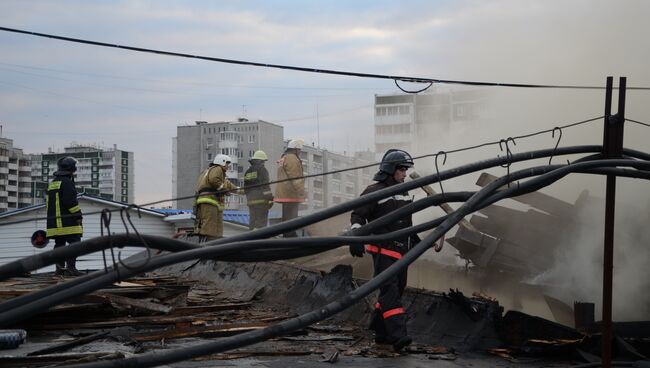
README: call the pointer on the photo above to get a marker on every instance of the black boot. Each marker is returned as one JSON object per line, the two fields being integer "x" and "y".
{"x": 72, "y": 269}
{"x": 401, "y": 343}
{"x": 60, "y": 269}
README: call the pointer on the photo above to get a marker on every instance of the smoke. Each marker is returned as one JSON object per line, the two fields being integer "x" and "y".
{"x": 578, "y": 271}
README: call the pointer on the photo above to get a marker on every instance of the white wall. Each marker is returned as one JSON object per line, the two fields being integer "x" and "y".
{"x": 15, "y": 240}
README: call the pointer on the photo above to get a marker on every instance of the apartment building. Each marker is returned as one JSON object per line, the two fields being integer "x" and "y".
{"x": 16, "y": 188}
{"x": 101, "y": 172}
{"x": 412, "y": 121}
{"x": 195, "y": 146}
{"x": 325, "y": 191}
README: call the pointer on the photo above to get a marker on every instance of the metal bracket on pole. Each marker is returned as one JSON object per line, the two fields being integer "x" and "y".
{"x": 612, "y": 148}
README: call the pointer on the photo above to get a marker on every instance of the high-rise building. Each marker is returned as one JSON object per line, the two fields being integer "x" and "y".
{"x": 408, "y": 121}
{"x": 103, "y": 173}
{"x": 16, "y": 189}
{"x": 195, "y": 146}
{"x": 325, "y": 191}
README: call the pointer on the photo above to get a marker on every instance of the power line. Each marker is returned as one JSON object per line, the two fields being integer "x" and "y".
{"x": 637, "y": 122}
{"x": 306, "y": 69}
{"x": 136, "y": 207}
{"x": 187, "y": 82}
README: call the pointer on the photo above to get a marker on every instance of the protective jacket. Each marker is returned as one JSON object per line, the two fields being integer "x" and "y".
{"x": 63, "y": 212}
{"x": 256, "y": 176}
{"x": 209, "y": 205}
{"x": 291, "y": 191}
{"x": 375, "y": 210}
{"x": 389, "y": 319}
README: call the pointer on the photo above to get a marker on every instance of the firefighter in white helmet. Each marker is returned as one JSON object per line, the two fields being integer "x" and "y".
{"x": 211, "y": 189}
{"x": 290, "y": 193}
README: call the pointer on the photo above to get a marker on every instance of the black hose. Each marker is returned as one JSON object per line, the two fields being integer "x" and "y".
{"x": 17, "y": 267}
{"x": 286, "y": 253}
{"x": 277, "y": 253}
{"x": 359, "y": 293}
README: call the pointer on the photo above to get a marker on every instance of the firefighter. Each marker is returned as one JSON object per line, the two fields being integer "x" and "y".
{"x": 64, "y": 218}
{"x": 389, "y": 318}
{"x": 290, "y": 193}
{"x": 259, "y": 198}
{"x": 211, "y": 189}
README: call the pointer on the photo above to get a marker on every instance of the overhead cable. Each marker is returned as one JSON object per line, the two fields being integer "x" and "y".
{"x": 306, "y": 69}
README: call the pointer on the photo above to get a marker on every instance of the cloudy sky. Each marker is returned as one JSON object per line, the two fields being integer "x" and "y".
{"x": 53, "y": 93}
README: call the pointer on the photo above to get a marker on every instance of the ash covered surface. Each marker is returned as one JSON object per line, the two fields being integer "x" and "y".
{"x": 180, "y": 307}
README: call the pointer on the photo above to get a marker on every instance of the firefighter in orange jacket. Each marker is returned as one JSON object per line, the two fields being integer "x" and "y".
{"x": 211, "y": 188}
{"x": 389, "y": 319}
{"x": 64, "y": 219}
{"x": 290, "y": 193}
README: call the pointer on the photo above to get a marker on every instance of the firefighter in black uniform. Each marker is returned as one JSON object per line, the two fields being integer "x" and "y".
{"x": 259, "y": 198}
{"x": 389, "y": 319}
{"x": 64, "y": 219}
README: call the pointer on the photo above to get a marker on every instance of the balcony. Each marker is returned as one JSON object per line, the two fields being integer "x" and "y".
{"x": 25, "y": 189}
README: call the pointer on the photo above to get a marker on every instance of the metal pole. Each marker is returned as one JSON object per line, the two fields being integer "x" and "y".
{"x": 612, "y": 148}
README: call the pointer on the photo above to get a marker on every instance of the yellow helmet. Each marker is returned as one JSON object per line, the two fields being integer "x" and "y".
{"x": 259, "y": 155}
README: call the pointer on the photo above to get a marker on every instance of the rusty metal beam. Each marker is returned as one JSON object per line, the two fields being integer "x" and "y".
{"x": 612, "y": 148}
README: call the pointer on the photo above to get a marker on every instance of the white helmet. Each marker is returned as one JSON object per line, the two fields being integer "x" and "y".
{"x": 295, "y": 143}
{"x": 222, "y": 160}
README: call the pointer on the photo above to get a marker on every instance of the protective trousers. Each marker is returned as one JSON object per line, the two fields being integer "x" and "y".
{"x": 290, "y": 211}
{"x": 258, "y": 216}
{"x": 60, "y": 241}
{"x": 389, "y": 319}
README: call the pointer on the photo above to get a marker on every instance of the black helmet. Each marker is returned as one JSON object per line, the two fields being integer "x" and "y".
{"x": 67, "y": 164}
{"x": 393, "y": 158}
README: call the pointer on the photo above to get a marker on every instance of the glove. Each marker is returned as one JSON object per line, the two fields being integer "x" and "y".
{"x": 357, "y": 250}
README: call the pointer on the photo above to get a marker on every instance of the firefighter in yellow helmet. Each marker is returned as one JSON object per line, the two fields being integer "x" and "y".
{"x": 290, "y": 193}
{"x": 258, "y": 192}
{"x": 64, "y": 219}
{"x": 211, "y": 189}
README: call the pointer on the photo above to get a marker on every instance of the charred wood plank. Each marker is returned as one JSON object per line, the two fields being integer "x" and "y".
{"x": 203, "y": 331}
{"x": 69, "y": 345}
{"x": 118, "y": 300}
{"x": 538, "y": 200}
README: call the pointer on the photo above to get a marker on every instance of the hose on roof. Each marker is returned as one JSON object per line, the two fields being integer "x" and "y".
{"x": 31, "y": 304}
{"x": 304, "y": 320}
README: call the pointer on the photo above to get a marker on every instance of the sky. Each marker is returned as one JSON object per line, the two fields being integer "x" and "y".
{"x": 54, "y": 93}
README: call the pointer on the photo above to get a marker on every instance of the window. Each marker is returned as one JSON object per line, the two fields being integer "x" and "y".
{"x": 251, "y": 139}
{"x": 125, "y": 199}
{"x": 125, "y": 169}
{"x": 124, "y": 176}
{"x": 125, "y": 184}
{"x": 209, "y": 156}
{"x": 94, "y": 184}
{"x": 125, "y": 191}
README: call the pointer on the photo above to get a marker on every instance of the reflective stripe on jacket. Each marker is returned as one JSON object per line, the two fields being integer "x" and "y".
{"x": 290, "y": 166}
{"x": 211, "y": 181}
{"x": 63, "y": 211}
{"x": 255, "y": 177}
